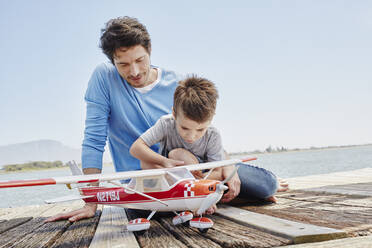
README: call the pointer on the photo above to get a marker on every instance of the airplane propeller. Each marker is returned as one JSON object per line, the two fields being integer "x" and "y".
{"x": 215, "y": 196}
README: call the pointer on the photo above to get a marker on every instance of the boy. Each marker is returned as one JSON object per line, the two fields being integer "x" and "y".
{"x": 186, "y": 136}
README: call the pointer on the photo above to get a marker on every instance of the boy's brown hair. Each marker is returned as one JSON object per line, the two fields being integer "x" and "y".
{"x": 197, "y": 98}
{"x": 123, "y": 32}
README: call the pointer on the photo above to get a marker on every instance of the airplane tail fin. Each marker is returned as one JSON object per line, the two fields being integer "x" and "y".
{"x": 75, "y": 170}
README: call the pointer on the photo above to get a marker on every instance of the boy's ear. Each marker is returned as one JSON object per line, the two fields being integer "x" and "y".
{"x": 173, "y": 113}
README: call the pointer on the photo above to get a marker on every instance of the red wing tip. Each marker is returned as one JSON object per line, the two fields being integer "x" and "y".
{"x": 25, "y": 183}
{"x": 248, "y": 159}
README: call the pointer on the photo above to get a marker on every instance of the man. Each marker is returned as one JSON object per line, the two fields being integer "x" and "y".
{"x": 124, "y": 98}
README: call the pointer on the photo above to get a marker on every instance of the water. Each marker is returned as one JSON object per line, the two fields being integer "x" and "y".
{"x": 313, "y": 162}
{"x": 286, "y": 164}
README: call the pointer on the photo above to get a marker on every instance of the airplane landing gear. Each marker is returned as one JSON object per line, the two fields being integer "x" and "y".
{"x": 140, "y": 224}
{"x": 182, "y": 218}
{"x": 202, "y": 223}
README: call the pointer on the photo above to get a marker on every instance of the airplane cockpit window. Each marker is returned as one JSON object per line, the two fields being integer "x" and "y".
{"x": 175, "y": 174}
{"x": 154, "y": 183}
{"x": 170, "y": 179}
{"x": 147, "y": 184}
{"x": 151, "y": 184}
{"x": 181, "y": 173}
{"x": 132, "y": 183}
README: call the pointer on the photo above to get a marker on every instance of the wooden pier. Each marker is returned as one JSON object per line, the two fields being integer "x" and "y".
{"x": 333, "y": 210}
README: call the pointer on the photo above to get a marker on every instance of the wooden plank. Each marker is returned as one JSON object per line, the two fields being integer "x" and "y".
{"x": 9, "y": 224}
{"x": 357, "y": 189}
{"x": 295, "y": 231}
{"x": 187, "y": 235}
{"x": 352, "y": 214}
{"x": 25, "y": 211}
{"x": 325, "y": 198}
{"x": 357, "y": 242}
{"x": 111, "y": 230}
{"x": 35, "y": 232}
{"x": 336, "y": 178}
{"x": 80, "y": 233}
{"x": 15, "y": 232}
{"x": 11, "y": 236}
{"x": 43, "y": 235}
{"x": 36, "y": 210}
{"x": 224, "y": 233}
{"x": 252, "y": 237}
{"x": 157, "y": 236}
{"x": 339, "y": 219}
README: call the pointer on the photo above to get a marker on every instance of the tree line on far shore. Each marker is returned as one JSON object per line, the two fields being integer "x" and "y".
{"x": 271, "y": 149}
{"x": 36, "y": 165}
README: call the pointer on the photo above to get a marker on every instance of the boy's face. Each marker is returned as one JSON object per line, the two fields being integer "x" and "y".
{"x": 189, "y": 130}
{"x": 133, "y": 64}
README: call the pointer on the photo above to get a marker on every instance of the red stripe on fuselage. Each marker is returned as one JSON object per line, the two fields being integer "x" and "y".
{"x": 146, "y": 201}
{"x": 118, "y": 195}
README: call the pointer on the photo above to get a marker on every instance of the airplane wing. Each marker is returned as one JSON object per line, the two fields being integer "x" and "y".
{"x": 215, "y": 164}
{"x": 115, "y": 176}
{"x": 91, "y": 178}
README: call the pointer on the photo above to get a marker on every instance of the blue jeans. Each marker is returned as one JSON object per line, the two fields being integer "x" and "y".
{"x": 256, "y": 183}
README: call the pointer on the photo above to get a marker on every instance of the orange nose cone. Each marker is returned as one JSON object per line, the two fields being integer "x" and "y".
{"x": 205, "y": 187}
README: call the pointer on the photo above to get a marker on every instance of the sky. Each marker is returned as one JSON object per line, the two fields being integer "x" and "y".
{"x": 289, "y": 73}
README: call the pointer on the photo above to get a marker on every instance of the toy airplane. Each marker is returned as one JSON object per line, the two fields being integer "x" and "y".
{"x": 170, "y": 189}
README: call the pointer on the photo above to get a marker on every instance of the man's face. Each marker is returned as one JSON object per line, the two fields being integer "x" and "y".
{"x": 133, "y": 64}
{"x": 189, "y": 130}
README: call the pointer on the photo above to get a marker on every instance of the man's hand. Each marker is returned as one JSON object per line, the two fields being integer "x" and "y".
{"x": 233, "y": 184}
{"x": 85, "y": 212}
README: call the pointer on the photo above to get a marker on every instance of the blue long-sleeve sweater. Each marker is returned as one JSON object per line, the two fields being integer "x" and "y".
{"x": 117, "y": 111}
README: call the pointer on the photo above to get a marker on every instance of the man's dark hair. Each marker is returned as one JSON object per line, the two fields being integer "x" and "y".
{"x": 196, "y": 97}
{"x": 123, "y": 32}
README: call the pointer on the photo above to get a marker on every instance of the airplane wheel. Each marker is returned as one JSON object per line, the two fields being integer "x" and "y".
{"x": 203, "y": 230}
{"x": 187, "y": 223}
{"x": 142, "y": 232}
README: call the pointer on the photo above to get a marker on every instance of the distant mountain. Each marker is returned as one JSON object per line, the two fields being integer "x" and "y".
{"x": 40, "y": 150}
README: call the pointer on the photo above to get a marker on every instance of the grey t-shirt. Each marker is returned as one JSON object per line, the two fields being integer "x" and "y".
{"x": 208, "y": 148}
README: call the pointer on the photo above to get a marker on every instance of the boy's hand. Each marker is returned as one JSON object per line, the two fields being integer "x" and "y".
{"x": 170, "y": 163}
{"x": 234, "y": 189}
{"x": 197, "y": 174}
